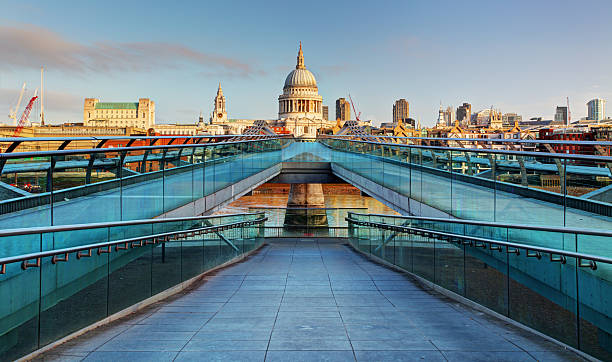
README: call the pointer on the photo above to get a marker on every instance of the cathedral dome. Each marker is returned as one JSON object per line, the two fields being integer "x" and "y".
{"x": 300, "y": 98}
{"x": 300, "y": 77}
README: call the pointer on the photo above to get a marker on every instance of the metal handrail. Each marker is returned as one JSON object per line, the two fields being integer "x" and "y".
{"x": 510, "y": 247}
{"x": 106, "y": 247}
{"x": 109, "y": 138}
{"x": 570, "y": 156}
{"x": 560, "y": 229}
{"x": 494, "y": 140}
{"x": 65, "y": 152}
{"x": 73, "y": 227}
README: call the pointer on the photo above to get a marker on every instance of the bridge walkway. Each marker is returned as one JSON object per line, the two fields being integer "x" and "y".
{"x": 308, "y": 299}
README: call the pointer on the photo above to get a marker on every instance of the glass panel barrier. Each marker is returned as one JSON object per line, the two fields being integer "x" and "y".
{"x": 74, "y": 296}
{"x": 142, "y": 187}
{"x": 20, "y": 312}
{"x": 539, "y": 188}
{"x": 75, "y": 285}
{"x": 177, "y": 178}
{"x": 594, "y": 294}
{"x": 525, "y": 272}
{"x": 114, "y": 179}
{"x": 27, "y": 187}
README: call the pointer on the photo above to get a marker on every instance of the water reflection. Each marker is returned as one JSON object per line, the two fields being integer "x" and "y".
{"x": 339, "y": 200}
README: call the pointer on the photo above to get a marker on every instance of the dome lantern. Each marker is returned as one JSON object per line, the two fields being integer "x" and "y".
{"x": 300, "y": 76}
{"x": 300, "y": 59}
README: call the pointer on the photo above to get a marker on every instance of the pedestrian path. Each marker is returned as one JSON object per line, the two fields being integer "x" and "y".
{"x": 308, "y": 300}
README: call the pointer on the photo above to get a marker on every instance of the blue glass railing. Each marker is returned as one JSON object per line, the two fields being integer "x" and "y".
{"x": 486, "y": 184}
{"x": 51, "y": 293}
{"x": 124, "y": 182}
{"x": 555, "y": 280}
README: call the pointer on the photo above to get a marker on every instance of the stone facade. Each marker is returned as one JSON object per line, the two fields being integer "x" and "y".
{"x": 219, "y": 113}
{"x": 139, "y": 114}
{"x": 178, "y": 129}
{"x": 300, "y": 107}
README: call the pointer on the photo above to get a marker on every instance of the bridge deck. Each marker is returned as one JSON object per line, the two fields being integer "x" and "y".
{"x": 305, "y": 299}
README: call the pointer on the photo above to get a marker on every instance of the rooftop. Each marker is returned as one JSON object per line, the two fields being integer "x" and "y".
{"x": 116, "y": 105}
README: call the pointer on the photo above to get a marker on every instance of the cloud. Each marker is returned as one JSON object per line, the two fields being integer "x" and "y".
{"x": 228, "y": 74}
{"x": 55, "y": 102}
{"x": 30, "y": 47}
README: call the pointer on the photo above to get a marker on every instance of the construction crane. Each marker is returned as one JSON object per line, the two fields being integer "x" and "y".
{"x": 569, "y": 113}
{"x": 13, "y": 112}
{"x": 354, "y": 110}
{"x": 25, "y": 115}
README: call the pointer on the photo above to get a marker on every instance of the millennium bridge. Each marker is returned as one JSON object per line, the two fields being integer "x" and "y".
{"x": 111, "y": 248}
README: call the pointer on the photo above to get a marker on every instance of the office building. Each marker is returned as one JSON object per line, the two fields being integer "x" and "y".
{"x": 325, "y": 113}
{"x": 464, "y": 113}
{"x": 509, "y": 119}
{"x": 561, "y": 114}
{"x": 400, "y": 110}
{"x": 343, "y": 109}
{"x": 596, "y": 109}
{"x": 449, "y": 116}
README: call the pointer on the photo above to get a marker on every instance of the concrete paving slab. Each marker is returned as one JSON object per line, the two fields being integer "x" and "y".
{"x": 225, "y": 345}
{"x": 309, "y": 356}
{"x": 487, "y": 356}
{"x": 221, "y": 356}
{"x": 396, "y": 356}
{"x": 131, "y": 356}
{"x": 142, "y": 345}
{"x": 310, "y": 345}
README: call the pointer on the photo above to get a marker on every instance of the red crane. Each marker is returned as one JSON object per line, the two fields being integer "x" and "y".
{"x": 354, "y": 110}
{"x": 24, "y": 117}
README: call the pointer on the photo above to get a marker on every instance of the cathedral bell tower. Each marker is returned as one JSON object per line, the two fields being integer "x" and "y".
{"x": 219, "y": 114}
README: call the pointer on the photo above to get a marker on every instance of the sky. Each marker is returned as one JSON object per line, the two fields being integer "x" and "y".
{"x": 517, "y": 56}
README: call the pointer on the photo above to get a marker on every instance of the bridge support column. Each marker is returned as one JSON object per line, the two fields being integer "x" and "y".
{"x": 470, "y": 170}
{"x": 305, "y": 206}
{"x": 521, "y": 162}
{"x": 306, "y": 195}
{"x": 493, "y": 164}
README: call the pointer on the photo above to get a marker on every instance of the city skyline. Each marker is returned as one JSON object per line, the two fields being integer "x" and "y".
{"x": 510, "y": 56}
